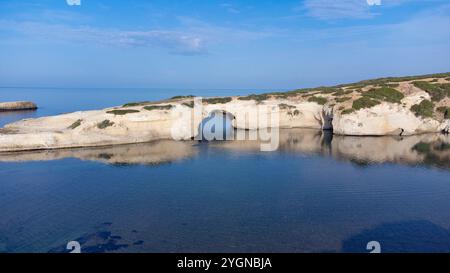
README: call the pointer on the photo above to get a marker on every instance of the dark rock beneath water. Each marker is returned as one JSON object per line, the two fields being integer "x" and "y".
{"x": 17, "y": 106}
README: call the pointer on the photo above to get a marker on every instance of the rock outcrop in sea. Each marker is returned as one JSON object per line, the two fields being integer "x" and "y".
{"x": 17, "y": 106}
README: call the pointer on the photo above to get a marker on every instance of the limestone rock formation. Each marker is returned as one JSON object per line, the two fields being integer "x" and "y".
{"x": 17, "y": 106}
{"x": 387, "y": 106}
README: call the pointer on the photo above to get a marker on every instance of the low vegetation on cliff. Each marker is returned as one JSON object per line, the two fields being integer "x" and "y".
{"x": 217, "y": 100}
{"x": 364, "y": 102}
{"x": 437, "y": 91}
{"x": 75, "y": 124}
{"x": 385, "y": 93}
{"x": 158, "y": 107}
{"x": 104, "y": 124}
{"x": 319, "y": 100}
{"x": 121, "y": 112}
{"x": 424, "y": 109}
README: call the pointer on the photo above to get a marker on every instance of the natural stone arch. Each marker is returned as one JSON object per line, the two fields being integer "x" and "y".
{"x": 218, "y": 123}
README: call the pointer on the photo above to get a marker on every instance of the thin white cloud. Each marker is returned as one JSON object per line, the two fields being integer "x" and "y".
{"x": 345, "y": 9}
{"x": 177, "y": 42}
{"x": 230, "y": 8}
{"x": 331, "y": 9}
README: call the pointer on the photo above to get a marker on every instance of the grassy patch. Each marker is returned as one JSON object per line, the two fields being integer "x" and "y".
{"x": 121, "y": 112}
{"x": 444, "y": 110}
{"x": 342, "y": 92}
{"x": 189, "y": 104}
{"x": 388, "y": 80}
{"x": 446, "y": 88}
{"x": 436, "y": 91}
{"x": 343, "y": 99}
{"x": 217, "y": 100}
{"x": 318, "y": 100}
{"x": 257, "y": 98}
{"x": 423, "y": 109}
{"x": 293, "y": 113}
{"x": 329, "y": 90}
{"x": 284, "y": 106}
{"x": 158, "y": 107}
{"x": 104, "y": 124}
{"x": 75, "y": 124}
{"x": 385, "y": 93}
{"x": 364, "y": 102}
{"x": 392, "y": 85}
{"x": 347, "y": 111}
{"x": 182, "y": 97}
{"x": 132, "y": 104}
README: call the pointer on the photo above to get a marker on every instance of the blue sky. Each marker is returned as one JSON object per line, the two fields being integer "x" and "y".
{"x": 219, "y": 44}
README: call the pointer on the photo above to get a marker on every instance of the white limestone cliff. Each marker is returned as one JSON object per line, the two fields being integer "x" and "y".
{"x": 176, "y": 119}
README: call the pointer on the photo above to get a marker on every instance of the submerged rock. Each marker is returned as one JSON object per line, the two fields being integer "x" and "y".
{"x": 17, "y": 106}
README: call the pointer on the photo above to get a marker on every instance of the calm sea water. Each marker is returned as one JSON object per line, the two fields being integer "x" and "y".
{"x": 316, "y": 193}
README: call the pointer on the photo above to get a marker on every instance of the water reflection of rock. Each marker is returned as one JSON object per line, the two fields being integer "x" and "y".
{"x": 157, "y": 152}
{"x": 427, "y": 149}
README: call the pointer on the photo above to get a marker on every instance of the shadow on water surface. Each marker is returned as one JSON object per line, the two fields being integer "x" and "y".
{"x": 402, "y": 237}
{"x": 429, "y": 150}
{"x": 102, "y": 240}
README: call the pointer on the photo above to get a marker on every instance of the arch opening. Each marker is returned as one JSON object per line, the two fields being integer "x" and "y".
{"x": 217, "y": 127}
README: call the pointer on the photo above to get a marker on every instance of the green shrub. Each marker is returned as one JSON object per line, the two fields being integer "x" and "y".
{"x": 382, "y": 81}
{"x": 347, "y": 111}
{"x": 132, "y": 104}
{"x": 257, "y": 98}
{"x": 182, "y": 97}
{"x": 342, "y": 92}
{"x": 189, "y": 104}
{"x": 328, "y": 90}
{"x": 217, "y": 100}
{"x": 423, "y": 109}
{"x": 318, "y": 100}
{"x": 75, "y": 124}
{"x": 121, "y": 112}
{"x": 444, "y": 110}
{"x": 436, "y": 91}
{"x": 284, "y": 106}
{"x": 364, "y": 102}
{"x": 392, "y": 85}
{"x": 104, "y": 124}
{"x": 158, "y": 107}
{"x": 342, "y": 99}
{"x": 385, "y": 93}
{"x": 446, "y": 88}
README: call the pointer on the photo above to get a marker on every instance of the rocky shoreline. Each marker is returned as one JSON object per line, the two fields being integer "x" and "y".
{"x": 388, "y": 106}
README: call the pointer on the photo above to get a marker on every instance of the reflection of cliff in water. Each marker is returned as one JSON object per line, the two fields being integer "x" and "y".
{"x": 152, "y": 153}
{"x": 426, "y": 150}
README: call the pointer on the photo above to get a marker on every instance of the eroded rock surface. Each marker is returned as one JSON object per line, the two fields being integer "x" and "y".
{"x": 390, "y": 106}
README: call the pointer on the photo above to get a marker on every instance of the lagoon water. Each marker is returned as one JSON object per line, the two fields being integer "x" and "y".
{"x": 316, "y": 193}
